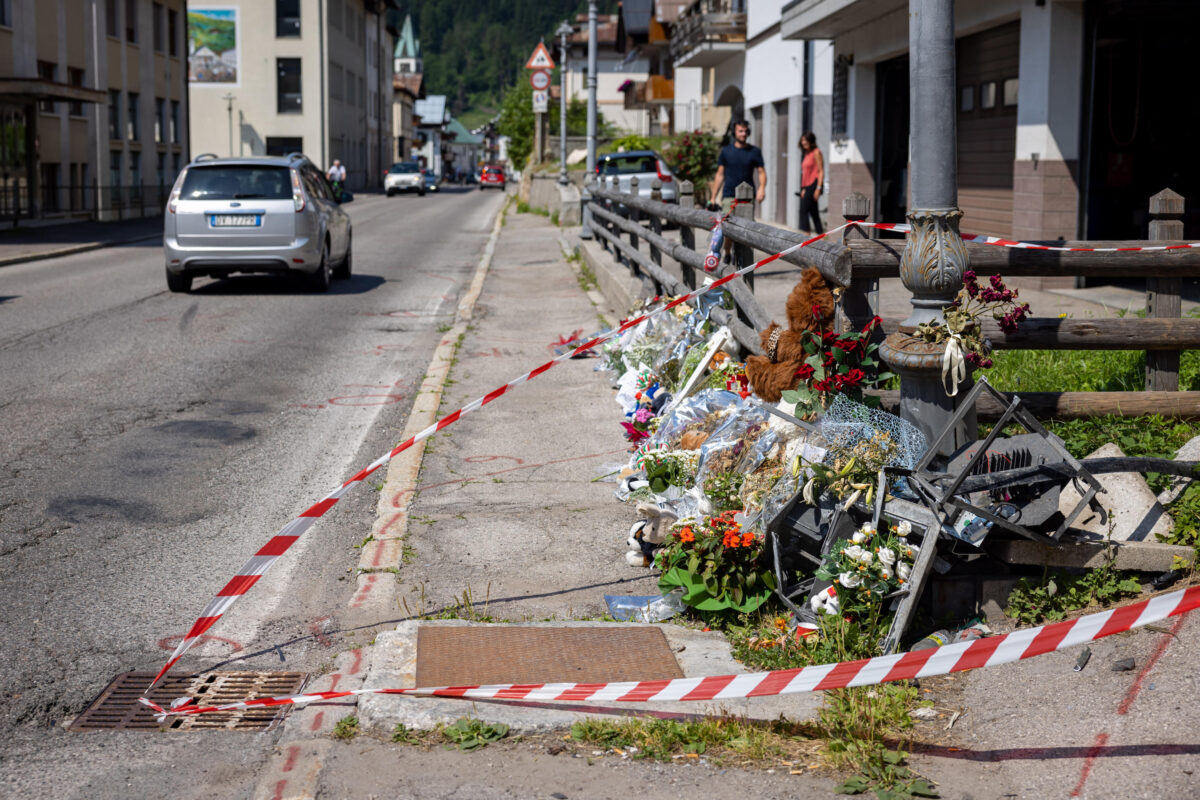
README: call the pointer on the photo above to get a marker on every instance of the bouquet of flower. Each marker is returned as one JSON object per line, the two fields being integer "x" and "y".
{"x": 866, "y": 568}
{"x": 837, "y": 363}
{"x": 962, "y": 318}
{"x": 717, "y": 565}
{"x": 851, "y": 472}
{"x": 667, "y": 468}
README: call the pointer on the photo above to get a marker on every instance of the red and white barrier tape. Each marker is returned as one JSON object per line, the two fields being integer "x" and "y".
{"x": 261, "y": 561}
{"x": 269, "y": 553}
{"x": 903, "y": 227}
{"x": 986, "y": 652}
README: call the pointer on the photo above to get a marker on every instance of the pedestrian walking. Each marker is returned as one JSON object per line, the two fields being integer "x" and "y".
{"x": 738, "y": 163}
{"x": 812, "y": 179}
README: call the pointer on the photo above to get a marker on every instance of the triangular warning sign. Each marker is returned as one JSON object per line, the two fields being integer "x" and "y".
{"x": 540, "y": 59}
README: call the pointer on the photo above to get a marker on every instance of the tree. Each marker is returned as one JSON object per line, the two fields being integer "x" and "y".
{"x": 516, "y": 122}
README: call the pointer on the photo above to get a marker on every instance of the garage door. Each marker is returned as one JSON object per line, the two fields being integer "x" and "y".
{"x": 987, "y": 128}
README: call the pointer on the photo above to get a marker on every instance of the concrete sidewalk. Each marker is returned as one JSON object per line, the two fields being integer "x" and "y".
{"x": 42, "y": 241}
{"x": 507, "y": 524}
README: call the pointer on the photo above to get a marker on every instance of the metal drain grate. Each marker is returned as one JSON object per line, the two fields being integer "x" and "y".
{"x": 117, "y": 707}
{"x": 470, "y": 655}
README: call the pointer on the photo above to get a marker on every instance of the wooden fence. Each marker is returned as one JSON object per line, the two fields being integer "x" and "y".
{"x": 622, "y": 222}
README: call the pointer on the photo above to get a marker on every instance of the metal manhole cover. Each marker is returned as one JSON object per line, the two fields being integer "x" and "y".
{"x": 470, "y": 656}
{"x": 117, "y": 707}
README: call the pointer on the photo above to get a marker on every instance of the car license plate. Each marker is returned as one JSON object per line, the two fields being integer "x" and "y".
{"x": 234, "y": 220}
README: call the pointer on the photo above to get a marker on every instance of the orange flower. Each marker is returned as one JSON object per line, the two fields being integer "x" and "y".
{"x": 780, "y": 623}
{"x": 747, "y": 539}
{"x": 686, "y": 535}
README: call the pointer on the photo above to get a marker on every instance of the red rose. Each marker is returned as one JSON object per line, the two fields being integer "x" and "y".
{"x": 873, "y": 324}
{"x": 824, "y": 386}
{"x": 852, "y": 378}
{"x": 805, "y": 372}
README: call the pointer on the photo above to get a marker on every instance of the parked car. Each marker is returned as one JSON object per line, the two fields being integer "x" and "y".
{"x": 404, "y": 176}
{"x": 646, "y": 165}
{"x": 491, "y": 176}
{"x": 431, "y": 180}
{"x": 274, "y": 214}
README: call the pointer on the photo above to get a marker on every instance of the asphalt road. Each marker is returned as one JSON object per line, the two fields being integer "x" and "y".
{"x": 152, "y": 441}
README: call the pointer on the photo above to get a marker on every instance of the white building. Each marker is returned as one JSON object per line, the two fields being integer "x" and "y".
{"x": 311, "y": 76}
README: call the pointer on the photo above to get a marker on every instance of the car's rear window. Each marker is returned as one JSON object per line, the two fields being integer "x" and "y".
{"x": 628, "y": 165}
{"x": 237, "y": 182}
{"x": 491, "y": 171}
{"x": 398, "y": 169}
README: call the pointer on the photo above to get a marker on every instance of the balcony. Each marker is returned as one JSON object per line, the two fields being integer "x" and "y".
{"x": 708, "y": 32}
{"x": 656, "y": 90}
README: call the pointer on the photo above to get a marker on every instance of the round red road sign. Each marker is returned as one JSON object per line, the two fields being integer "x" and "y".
{"x": 539, "y": 79}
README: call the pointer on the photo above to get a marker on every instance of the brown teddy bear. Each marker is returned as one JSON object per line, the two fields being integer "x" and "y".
{"x": 774, "y": 373}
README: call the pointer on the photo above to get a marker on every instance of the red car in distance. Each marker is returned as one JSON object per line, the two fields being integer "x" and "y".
{"x": 491, "y": 176}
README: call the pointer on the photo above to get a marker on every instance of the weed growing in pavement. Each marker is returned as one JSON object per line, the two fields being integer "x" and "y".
{"x": 346, "y": 728}
{"x": 377, "y": 486}
{"x": 408, "y": 553}
{"x": 525, "y": 208}
{"x": 1059, "y": 593}
{"x": 369, "y": 538}
{"x": 444, "y": 328}
{"x": 586, "y": 277}
{"x": 472, "y": 734}
{"x": 714, "y": 737}
{"x": 554, "y": 217}
{"x": 402, "y": 734}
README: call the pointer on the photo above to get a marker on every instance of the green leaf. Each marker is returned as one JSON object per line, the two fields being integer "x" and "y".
{"x": 922, "y": 788}
{"x": 856, "y": 785}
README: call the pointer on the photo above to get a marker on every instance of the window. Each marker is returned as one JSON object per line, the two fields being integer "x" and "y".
{"x": 49, "y": 186}
{"x": 840, "y": 102}
{"x": 172, "y": 31}
{"x": 234, "y": 182}
{"x": 335, "y": 14}
{"x": 114, "y": 168}
{"x": 47, "y": 71}
{"x": 282, "y": 145}
{"x": 160, "y": 120}
{"x": 966, "y": 98}
{"x": 987, "y": 94}
{"x": 114, "y": 114}
{"x": 156, "y": 24}
{"x": 75, "y": 78}
{"x": 6, "y": 13}
{"x": 287, "y": 95}
{"x": 1010, "y": 92}
{"x": 131, "y": 117}
{"x": 110, "y": 18}
{"x": 160, "y": 169}
{"x": 131, "y": 21}
{"x": 336, "y": 80}
{"x": 175, "y": 122}
{"x": 287, "y": 18}
{"x": 135, "y": 168}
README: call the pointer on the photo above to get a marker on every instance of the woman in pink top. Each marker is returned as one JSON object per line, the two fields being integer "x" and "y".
{"x": 812, "y": 178}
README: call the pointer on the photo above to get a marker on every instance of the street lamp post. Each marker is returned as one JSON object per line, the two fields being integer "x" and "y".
{"x": 934, "y": 256}
{"x": 229, "y": 98}
{"x": 586, "y": 233}
{"x": 564, "y": 30}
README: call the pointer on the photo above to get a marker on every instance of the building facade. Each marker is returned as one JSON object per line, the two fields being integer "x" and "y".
{"x": 311, "y": 76}
{"x": 1064, "y": 127}
{"x": 616, "y": 73}
{"x": 408, "y": 84}
{"x": 94, "y": 105}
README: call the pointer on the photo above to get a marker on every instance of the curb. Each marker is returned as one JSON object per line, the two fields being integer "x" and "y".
{"x": 72, "y": 250}
{"x": 385, "y": 553}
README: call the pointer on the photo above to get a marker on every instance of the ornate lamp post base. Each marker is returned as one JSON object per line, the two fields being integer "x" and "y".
{"x": 923, "y": 398}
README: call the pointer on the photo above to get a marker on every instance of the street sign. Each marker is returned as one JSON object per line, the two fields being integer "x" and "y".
{"x": 539, "y": 79}
{"x": 541, "y": 101}
{"x": 540, "y": 59}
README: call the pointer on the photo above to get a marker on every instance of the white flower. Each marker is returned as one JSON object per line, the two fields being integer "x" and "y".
{"x": 904, "y": 528}
{"x": 885, "y": 574}
{"x": 902, "y": 570}
{"x": 887, "y": 555}
{"x": 868, "y": 529}
{"x": 859, "y": 537}
{"x": 854, "y": 552}
{"x": 849, "y": 580}
{"x": 866, "y": 557}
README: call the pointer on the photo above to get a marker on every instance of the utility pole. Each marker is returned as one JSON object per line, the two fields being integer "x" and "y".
{"x": 564, "y": 30}
{"x": 229, "y": 98}
{"x": 934, "y": 256}
{"x": 586, "y": 233}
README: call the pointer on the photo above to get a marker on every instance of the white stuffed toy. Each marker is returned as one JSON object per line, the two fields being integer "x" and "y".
{"x": 648, "y": 534}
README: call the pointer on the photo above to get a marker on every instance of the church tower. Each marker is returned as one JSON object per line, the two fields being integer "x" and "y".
{"x": 407, "y": 56}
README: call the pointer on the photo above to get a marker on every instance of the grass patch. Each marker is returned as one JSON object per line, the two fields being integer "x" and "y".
{"x": 1082, "y": 370}
{"x": 525, "y": 208}
{"x": 472, "y": 734}
{"x": 1186, "y": 513}
{"x": 1059, "y": 593}
{"x": 346, "y": 728}
{"x": 586, "y": 277}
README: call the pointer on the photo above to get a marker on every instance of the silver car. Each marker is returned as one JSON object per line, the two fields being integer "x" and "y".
{"x": 646, "y": 165}
{"x": 261, "y": 214}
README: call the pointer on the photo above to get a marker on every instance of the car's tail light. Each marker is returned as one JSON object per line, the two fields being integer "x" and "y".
{"x": 663, "y": 174}
{"x": 173, "y": 200}
{"x": 297, "y": 191}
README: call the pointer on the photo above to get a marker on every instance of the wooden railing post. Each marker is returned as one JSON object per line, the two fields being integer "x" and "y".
{"x": 861, "y": 300}
{"x": 687, "y": 236}
{"x": 656, "y": 228}
{"x": 743, "y": 254}
{"x": 1163, "y": 294}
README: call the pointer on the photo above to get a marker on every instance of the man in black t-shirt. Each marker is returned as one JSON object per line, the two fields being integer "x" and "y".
{"x": 740, "y": 162}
